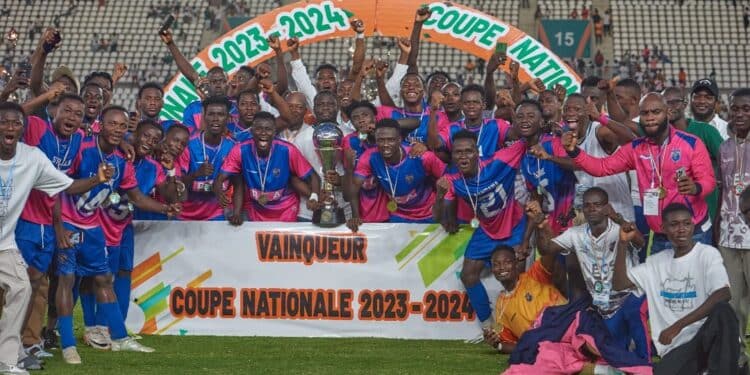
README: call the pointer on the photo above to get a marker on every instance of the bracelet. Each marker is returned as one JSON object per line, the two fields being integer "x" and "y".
{"x": 603, "y": 119}
{"x": 360, "y": 36}
{"x": 313, "y": 197}
{"x": 499, "y": 346}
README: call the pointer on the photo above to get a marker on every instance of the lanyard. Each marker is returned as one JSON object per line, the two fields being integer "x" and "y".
{"x": 264, "y": 177}
{"x": 656, "y": 171}
{"x": 391, "y": 184}
{"x": 110, "y": 183}
{"x": 218, "y": 148}
{"x": 473, "y": 198}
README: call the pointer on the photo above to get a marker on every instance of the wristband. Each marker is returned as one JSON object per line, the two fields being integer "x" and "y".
{"x": 360, "y": 36}
{"x": 313, "y": 197}
{"x": 603, "y": 119}
{"x": 171, "y": 173}
{"x": 499, "y": 346}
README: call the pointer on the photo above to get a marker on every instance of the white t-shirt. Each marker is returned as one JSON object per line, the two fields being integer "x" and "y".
{"x": 675, "y": 287}
{"x": 720, "y": 125}
{"x": 29, "y": 169}
{"x": 304, "y": 142}
{"x": 597, "y": 259}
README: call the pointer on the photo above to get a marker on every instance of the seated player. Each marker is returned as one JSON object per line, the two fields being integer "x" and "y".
{"x": 407, "y": 180}
{"x": 81, "y": 241}
{"x": 594, "y": 245}
{"x": 488, "y": 186}
{"x": 267, "y": 165}
{"x": 202, "y": 160}
{"x": 524, "y": 297}
{"x": 687, "y": 289}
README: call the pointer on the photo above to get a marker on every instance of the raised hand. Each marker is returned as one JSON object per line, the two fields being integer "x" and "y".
{"x": 404, "y": 44}
{"x": 381, "y": 68}
{"x": 569, "y": 140}
{"x": 358, "y": 25}
{"x": 119, "y": 71}
{"x": 423, "y": 14}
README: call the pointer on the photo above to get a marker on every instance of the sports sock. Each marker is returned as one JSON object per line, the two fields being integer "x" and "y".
{"x": 65, "y": 328}
{"x": 479, "y": 301}
{"x": 115, "y": 322}
{"x": 122, "y": 291}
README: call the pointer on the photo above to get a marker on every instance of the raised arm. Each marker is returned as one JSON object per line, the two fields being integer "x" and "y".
{"x": 39, "y": 101}
{"x": 282, "y": 81}
{"x": 381, "y": 67}
{"x": 183, "y": 65}
{"x": 360, "y": 48}
{"x": 299, "y": 73}
{"x": 423, "y": 14}
{"x": 493, "y": 64}
{"x": 620, "y": 161}
{"x": 47, "y": 43}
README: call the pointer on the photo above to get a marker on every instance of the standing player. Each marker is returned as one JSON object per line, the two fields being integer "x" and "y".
{"x": 81, "y": 249}
{"x": 498, "y": 219}
{"x": 149, "y": 103}
{"x": 267, "y": 165}
{"x": 25, "y": 168}
{"x": 202, "y": 161}
{"x": 407, "y": 180}
{"x": 60, "y": 142}
{"x": 117, "y": 219}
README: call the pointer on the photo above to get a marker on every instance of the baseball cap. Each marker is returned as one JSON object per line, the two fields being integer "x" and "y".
{"x": 708, "y": 84}
{"x": 64, "y": 71}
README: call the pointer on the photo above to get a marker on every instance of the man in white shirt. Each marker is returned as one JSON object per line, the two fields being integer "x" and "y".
{"x": 692, "y": 324}
{"x": 703, "y": 99}
{"x": 23, "y": 168}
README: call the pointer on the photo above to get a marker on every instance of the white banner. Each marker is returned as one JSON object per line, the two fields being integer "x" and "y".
{"x": 294, "y": 279}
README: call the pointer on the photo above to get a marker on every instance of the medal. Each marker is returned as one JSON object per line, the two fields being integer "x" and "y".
{"x": 207, "y": 187}
{"x": 362, "y": 136}
{"x": 662, "y": 192}
{"x": 598, "y": 287}
{"x": 392, "y": 205}
{"x": 131, "y": 208}
{"x": 262, "y": 200}
{"x": 739, "y": 188}
{"x": 474, "y": 223}
{"x": 114, "y": 198}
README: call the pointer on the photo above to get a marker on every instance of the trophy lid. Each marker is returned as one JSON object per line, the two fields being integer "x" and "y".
{"x": 327, "y": 134}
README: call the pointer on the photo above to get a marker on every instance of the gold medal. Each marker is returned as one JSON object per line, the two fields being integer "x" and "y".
{"x": 474, "y": 222}
{"x": 662, "y": 192}
{"x": 114, "y": 198}
{"x": 262, "y": 199}
{"x": 392, "y": 205}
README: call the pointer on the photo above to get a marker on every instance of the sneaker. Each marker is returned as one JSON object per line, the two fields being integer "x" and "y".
{"x": 37, "y": 350}
{"x": 49, "y": 338}
{"x": 70, "y": 356}
{"x": 12, "y": 369}
{"x": 128, "y": 344}
{"x": 30, "y": 363}
{"x": 97, "y": 338}
{"x": 134, "y": 335}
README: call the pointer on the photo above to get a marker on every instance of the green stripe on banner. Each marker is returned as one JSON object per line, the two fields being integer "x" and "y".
{"x": 415, "y": 242}
{"x": 442, "y": 256}
{"x": 150, "y": 293}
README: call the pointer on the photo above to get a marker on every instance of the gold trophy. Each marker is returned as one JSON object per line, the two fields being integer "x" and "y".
{"x": 327, "y": 139}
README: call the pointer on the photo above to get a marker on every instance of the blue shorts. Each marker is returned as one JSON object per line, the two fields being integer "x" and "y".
{"x": 36, "y": 243}
{"x": 629, "y": 323}
{"x": 481, "y": 245}
{"x": 120, "y": 258}
{"x": 88, "y": 258}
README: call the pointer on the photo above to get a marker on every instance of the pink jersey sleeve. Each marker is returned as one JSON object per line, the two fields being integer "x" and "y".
{"x": 128, "y": 177}
{"x": 503, "y": 128}
{"x": 384, "y": 111}
{"x": 442, "y": 122}
{"x": 620, "y": 161}
{"x": 161, "y": 177}
{"x": 557, "y": 148}
{"x": 433, "y": 165}
{"x": 299, "y": 166}
{"x": 450, "y": 194}
{"x": 511, "y": 155}
{"x": 35, "y": 129}
{"x": 73, "y": 170}
{"x": 184, "y": 160}
{"x": 363, "y": 169}
{"x": 233, "y": 163}
{"x": 703, "y": 170}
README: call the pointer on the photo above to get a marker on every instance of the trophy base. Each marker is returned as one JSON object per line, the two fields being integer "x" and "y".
{"x": 329, "y": 217}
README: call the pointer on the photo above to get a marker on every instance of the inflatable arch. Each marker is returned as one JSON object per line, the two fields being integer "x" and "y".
{"x": 312, "y": 21}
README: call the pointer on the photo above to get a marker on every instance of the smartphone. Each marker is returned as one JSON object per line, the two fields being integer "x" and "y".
{"x": 501, "y": 48}
{"x": 76, "y": 238}
{"x": 132, "y": 114}
{"x": 166, "y": 24}
{"x": 24, "y": 69}
{"x": 681, "y": 173}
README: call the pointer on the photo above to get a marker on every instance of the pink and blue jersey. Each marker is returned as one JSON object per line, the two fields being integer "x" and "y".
{"x": 82, "y": 210}
{"x": 373, "y": 202}
{"x": 238, "y": 133}
{"x": 61, "y": 152}
{"x": 114, "y": 218}
{"x": 491, "y": 136}
{"x": 418, "y": 135}
{"x": 193, "y": 115}
{"x": 650, "y": 161}
{"x": 269, "y": 177}
{"x": 413, "y": 180}
{"x": 554, "y": 184}
{"x": 202, "y": 204}
{"x": 493, "y": 191}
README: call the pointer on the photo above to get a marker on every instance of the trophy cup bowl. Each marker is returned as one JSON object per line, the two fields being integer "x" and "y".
{"x": 327, "y": 139}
